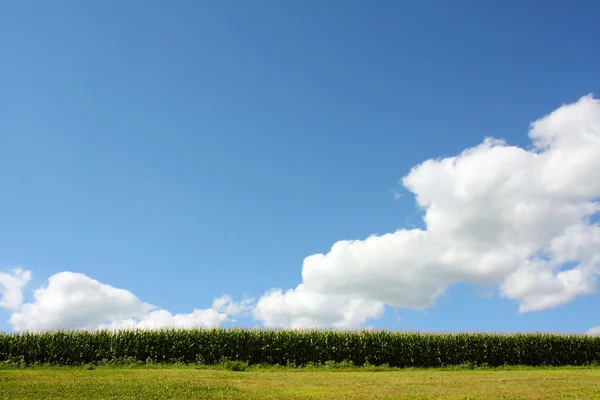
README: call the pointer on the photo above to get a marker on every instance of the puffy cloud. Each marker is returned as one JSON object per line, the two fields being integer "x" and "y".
{"x": 75, "y": 301}
{"x": 11, "y": 287}
{"x": 226, "y": 305}
{"x": 164, "y": 319}
{"x": 303, "y": 309}
{"x": 543, "y": 283}
{"x": 495, "y": 214}
{"x": 223, "y": 308}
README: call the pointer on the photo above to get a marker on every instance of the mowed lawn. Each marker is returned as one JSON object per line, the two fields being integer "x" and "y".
{"x": 206, "y": 383}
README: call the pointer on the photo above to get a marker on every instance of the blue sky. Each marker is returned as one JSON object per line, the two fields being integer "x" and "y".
{"x": 188, "y": 150}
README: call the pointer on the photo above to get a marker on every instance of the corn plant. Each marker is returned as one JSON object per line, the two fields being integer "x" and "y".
{"x": 298, "y": 347}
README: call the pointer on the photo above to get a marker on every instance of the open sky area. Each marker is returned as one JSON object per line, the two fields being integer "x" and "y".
{"x": 415, "y": 165}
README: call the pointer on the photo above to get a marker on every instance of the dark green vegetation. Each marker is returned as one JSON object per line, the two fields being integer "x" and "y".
{"x": 298, "y": 348}
{"x": 215, "y": 382}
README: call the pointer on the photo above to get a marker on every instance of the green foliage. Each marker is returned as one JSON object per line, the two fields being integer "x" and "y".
{"x": 297, "y": 348}
{"x": 235, "y": 365}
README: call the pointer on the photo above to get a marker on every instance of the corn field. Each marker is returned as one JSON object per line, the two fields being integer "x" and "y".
{"x": 296, "y": 347}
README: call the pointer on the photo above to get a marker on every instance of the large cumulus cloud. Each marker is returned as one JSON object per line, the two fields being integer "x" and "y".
{"x": 496, "y": 214}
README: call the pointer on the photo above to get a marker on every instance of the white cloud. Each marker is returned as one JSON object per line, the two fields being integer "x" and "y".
{"x": 495, "y": 215}
{"x": 164, "y": 319}
{"x": 75, "y": 301}
{"x": 594, "y": 331}
{"x": 298, "y": 308}
{"x": 223, "y": 308}
{"x": 11, "y": 287}
{"x": 226, "y": 305}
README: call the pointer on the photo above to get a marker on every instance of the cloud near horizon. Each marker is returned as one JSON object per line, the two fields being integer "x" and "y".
{"x": 515, "y": 218}
{"x": 75, "y": 301}
{"x": 594, "y": 331}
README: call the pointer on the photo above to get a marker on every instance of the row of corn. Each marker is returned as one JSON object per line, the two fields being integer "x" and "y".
{"x": 297, "y": 347}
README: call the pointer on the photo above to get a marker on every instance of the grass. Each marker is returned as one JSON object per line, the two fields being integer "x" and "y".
{"x": 223, "y": 382}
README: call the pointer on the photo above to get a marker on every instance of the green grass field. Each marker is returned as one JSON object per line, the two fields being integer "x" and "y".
{"x": 175, "y": 382}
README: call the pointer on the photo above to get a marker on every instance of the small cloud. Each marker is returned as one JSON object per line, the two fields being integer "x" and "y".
{"x": 594, "y": 331}
{"x": 396, "y": 193}
{"x": 11, "y": 287}
{"x": 226, "y": 305}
